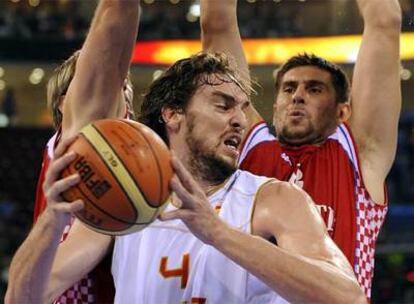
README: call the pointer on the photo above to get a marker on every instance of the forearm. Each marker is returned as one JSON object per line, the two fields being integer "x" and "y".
{"x": 297, "y": 279}
{"x": 376, "y": 90}
{"x": 112, "y": 38}
{"x": 31, "y": 266}
{"x": 220, "y": 32}
{"x": 102, "y": 66}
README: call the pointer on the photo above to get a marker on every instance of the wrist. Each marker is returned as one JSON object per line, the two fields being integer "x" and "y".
{"x": 220, "y": 232}
{"x": 54, "y": 220}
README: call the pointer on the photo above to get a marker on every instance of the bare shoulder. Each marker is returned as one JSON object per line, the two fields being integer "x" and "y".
{"x": 283, "y": 206}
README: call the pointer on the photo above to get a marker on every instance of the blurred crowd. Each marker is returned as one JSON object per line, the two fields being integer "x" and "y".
{"x": 401, "y": 177}
{"x": 69, "y": 19}
{"x": 48, "y": 20}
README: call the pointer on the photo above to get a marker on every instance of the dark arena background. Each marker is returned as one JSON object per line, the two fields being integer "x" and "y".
{"x": 36, "y": 35}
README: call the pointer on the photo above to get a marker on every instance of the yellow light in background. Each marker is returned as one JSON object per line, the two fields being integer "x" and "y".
{"x": 156, "y": 74}
{"x": 1, "y": 72}
{"x": 2, "y": 84}
{"x": 405, "y": 74}
{"x": 338, "y": 49}
{"x": 34, "y": 3}
{"x": 36, "y": 76}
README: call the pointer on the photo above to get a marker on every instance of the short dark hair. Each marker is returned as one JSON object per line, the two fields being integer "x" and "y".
{"x": 175, "y": 87}
{"x": 339, "y": 79}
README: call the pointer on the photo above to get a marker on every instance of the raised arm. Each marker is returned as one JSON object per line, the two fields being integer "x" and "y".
{"x": 41, "y": 268}
{"x": 220, "y": 33}
{"x": 96, "y": 90}
{"x": 376, "y": 92}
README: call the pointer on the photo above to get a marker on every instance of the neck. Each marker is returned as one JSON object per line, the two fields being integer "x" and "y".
{"x": 207, "y": 186}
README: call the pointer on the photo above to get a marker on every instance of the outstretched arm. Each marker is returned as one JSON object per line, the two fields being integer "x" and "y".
{"x": 30, "y": 279}
{"x": 220, "y": 33}
{"x": 304, "y": 261}
{"x": 376, "y": 92}
{"x": 96, "y": 89}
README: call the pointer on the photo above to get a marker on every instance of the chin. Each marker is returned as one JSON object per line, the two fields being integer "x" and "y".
{"x": 219, "y": 168}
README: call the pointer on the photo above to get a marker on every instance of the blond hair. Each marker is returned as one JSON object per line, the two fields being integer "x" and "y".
{"x": 59, "y": 82}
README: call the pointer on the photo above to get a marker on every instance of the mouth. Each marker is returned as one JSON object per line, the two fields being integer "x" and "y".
{"x": 297, "y": 113}
{"x": 232, "y": 144}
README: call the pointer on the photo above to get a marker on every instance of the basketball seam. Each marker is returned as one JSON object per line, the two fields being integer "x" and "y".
{"x": 100, "y": 208}
{"x": 126, "y": 168}
{"x": 115, "y": 178}
{"x": 155, "y": 155}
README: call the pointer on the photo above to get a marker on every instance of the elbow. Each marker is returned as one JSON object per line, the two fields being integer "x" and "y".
{"x": 8, "y": 298}
{"x": 353, "y": 294}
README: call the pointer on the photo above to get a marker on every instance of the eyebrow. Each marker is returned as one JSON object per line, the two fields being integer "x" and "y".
{"x": 311, "y": 82}
{"x": 230, "y": 100}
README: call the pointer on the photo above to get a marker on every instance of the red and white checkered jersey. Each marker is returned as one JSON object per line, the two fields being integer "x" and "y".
{"x": 331, "y": 174}
{"x": 95, "y": 287}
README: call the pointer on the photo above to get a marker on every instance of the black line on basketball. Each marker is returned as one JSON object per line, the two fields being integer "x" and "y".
{"x": 100, "y": 208}
{"x": 156, "y": 161}
{"x": 120, "y": 186}
{"x": 126, "y": 168}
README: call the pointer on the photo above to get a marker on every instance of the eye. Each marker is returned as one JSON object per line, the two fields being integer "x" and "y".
{"x": 288, "y": 90}
{"x": 315, "y": 90}
{"x": 223, "y": 107}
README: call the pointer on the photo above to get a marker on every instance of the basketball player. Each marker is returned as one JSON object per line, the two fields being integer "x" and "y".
{"x": 216, "y": 246}
{"x": 340, "y": 159}
{"x": 96, "y": 73}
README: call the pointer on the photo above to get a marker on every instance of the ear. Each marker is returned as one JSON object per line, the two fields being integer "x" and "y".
{"x": 343, "y": 112}
{"x": 172, "y": 118}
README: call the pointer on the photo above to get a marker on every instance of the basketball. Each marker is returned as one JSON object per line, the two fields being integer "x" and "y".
{"x": 125, "y": 172}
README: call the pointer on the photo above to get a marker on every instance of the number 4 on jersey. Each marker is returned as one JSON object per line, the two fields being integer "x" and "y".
{"x": 182, "y": 272}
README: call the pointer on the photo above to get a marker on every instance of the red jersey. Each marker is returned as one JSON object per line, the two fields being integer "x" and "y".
{"x": 95, "y": 287}
{"x": 330, "y": 174}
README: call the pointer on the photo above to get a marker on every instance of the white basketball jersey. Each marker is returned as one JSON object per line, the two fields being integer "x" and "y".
{"x": 165, "y": 263}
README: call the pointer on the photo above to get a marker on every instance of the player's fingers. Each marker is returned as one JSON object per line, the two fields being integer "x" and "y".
{"x": 62, "y": 185}
{"x": 182, "y": 193}
{"x": 56, "y": 167}
{"x": 63, "y": 146}
{"x": 185, "y": 177}
{"x": 71, "y": 207}
{"x": 173, "y": 215}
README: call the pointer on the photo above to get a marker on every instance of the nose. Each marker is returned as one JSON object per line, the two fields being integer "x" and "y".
{"x": 239, "y": 120}
{"x": 298, "y": 96}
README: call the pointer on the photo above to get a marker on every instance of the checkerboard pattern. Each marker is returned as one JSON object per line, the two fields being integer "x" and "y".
{"x": 370, "y": 218}
{"x": 81, "y": 292}
{"x": 78, "y": 293}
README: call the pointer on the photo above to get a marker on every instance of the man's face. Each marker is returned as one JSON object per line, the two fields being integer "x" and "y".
{"x": 305, "y": 110}
{"x": 214, "y": 126}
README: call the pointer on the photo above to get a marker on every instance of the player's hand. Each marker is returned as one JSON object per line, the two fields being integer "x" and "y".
{"x": 194, "y": 210}
{"x": 53, "y": 187}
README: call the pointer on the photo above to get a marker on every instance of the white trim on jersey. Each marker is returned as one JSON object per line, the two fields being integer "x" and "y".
{"x": 258, "y": 134}
{"x": 343, "y": 136}
{"x": 261, "y": 133}
{"x": 51, "y": 146}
